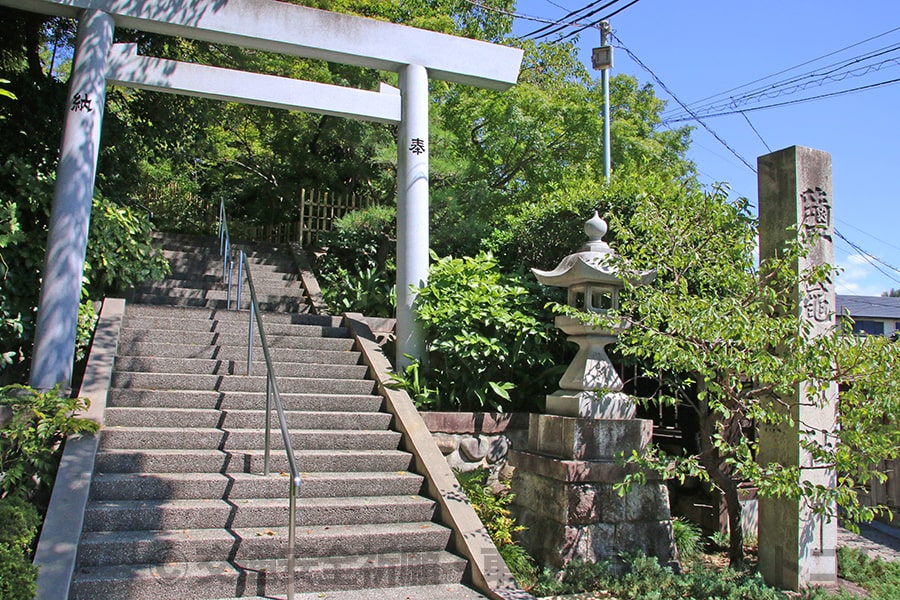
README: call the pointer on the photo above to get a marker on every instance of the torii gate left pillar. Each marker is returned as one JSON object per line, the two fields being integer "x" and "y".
{"x": 57, "y": 317}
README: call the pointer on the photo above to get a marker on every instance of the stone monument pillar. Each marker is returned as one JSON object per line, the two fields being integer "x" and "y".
{"x": 797, "y": 548}
{"x": 565, "y": 477}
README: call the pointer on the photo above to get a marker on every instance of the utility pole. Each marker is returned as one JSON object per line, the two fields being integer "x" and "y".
{"x": 602, "y": 60}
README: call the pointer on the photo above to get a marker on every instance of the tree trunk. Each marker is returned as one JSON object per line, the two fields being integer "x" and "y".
{"x": 719, "y": 474}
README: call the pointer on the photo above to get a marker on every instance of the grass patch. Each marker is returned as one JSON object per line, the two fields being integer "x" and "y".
{"x": 881, "y": 578}
{"x": 707, "y": 579}
{"x": 646, "y": 579}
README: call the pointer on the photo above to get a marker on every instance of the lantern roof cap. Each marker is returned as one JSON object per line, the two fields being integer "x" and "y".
{"x": 593, "y": 263}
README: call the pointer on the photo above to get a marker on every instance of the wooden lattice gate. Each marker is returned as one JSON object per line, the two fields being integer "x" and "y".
{"x": 317, "y": 212}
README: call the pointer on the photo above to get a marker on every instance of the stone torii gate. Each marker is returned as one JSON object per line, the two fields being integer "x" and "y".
{"x": 416, "y": 55}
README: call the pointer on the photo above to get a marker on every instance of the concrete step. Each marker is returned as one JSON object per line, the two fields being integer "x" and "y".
{"x": 293, "y": 306}
{"x": 199, "y": 366}
{"x": 330, "y": 340}
{"x": 180, "y": 312}
{"x": 190, "y": 253}
{"x": 121, "y": 438}
{"x": 265, "y": 291}
{"x": 445, "y": 591}
{"x": 196, "y": 260}
{"x": 230, "y": 348}
{"x": 199, "y": 399}
{"x": 239, "y": 354}
{"x": 257, "y": 543}
{"x": 178, "y": 506}
{"x": 235, "y": 383}
{"x": 177, "y": 581}
{"x": 272, "y": 282}
{"x": 125, "y": 515}
{"x": 197, "y": 486}
{"x": 168, "y": 460}
{"x": 231, "y": 420}
{"x": 132, "y": 326}
{"x": 218, "y": 300}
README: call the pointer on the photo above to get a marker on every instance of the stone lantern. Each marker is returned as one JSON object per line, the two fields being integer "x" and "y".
{"x": 590, "y": 386}
{"x": 566, "y": 474}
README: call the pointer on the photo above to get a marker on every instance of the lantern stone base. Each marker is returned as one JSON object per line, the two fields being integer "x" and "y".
{"x": 591, "y": 405}
{"x": 564, "y": 485}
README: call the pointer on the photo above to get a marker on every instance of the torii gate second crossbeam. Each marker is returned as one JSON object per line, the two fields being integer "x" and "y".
{"x": 268, "y": 25}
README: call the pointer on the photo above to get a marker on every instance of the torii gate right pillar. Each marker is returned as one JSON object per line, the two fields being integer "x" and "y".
{"x": 412, "y": 210}
{"x": 797, "y": 547}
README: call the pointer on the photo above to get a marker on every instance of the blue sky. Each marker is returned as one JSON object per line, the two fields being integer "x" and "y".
{"x": 699, "y": 48}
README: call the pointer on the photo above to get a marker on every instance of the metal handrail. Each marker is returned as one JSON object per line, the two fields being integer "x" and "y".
{"x": 272, "y": 393}
{"x": 227, "y": 253}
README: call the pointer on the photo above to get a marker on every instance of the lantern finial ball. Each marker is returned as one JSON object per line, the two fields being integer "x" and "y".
{"x": 595, "y": 229}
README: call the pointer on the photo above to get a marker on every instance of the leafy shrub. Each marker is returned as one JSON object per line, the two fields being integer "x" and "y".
{"x": 578, "y": 576}
{"x": 17, "y": 575}
{"x": 119, "y": 253}
{"x": 19, "y": 523}
{"x": 357, "y": 264}
{"x": 368, "y": 292}
{"x": 171, "y": 191}
{"x": 411, "y": 382}
{"x": 688, "y": 538}
{"x": 30, "y": 442}
{"x": 540, "y": 234}
{"x": 493, "y": 510}
{"x": 489, "y": 340}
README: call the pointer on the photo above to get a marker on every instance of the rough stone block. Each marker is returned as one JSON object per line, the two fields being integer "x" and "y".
{"x": 446, "y": 443}
{"x": 646, "y": 502}
{"x": 474, "y": 448}
{"x": 590, "y": 404}
{"x": 653, "y": 538}
{"x": 587, "y": 439}
{"x": 499, "y": 449}
{"x": 541, "y": 496}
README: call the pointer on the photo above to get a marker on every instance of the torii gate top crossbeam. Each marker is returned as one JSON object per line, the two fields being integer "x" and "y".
{"x": 301, "y": 31}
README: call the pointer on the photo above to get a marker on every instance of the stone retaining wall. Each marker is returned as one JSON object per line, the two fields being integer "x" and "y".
{"x": 472, "y": 440}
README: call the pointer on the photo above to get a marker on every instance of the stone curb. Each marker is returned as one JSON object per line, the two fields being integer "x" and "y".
{"x": 58, "y": 544}
{"x": 308, "y": 280}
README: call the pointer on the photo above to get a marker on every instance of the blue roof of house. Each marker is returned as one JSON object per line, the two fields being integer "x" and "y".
{"x": 875, "y": 307}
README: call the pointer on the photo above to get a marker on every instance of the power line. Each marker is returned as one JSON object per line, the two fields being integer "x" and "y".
{"x": 517, "y": 15}
{"x": 870, "y": 258}
{"x": 598, "y": 21}
{"x": 877, "y": 239}
{"x": 562, "y": 24}
{"x": 803, "y": 64}
{"x": 683, "y": 105}
{"x": 746, "y": 118}
{"x": 871, "y": 263}
{"x": 797, "y": 84}
{"x": 863, "y": 88}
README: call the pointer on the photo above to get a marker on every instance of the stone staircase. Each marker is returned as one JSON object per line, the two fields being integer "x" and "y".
{"x": 178, "y": 507}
